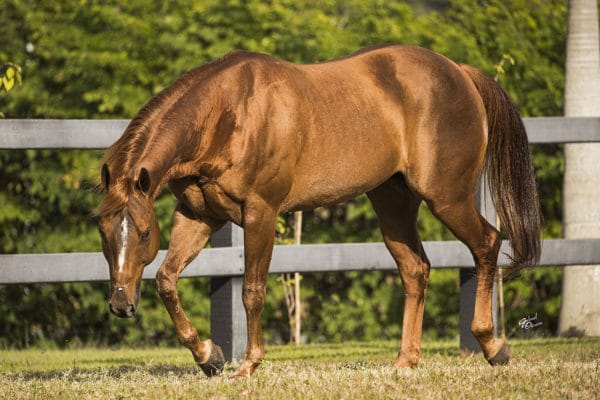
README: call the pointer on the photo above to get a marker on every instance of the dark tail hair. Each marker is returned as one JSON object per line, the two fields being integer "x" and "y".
{"x": 510, "y": 172}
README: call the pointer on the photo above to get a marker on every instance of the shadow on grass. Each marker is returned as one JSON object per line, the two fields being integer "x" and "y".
{"x": 353, "y": 351}
{"x": 348, "y": 355}
{"x": 84, "y": 375}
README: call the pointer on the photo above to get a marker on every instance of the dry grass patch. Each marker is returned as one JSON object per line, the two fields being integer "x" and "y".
{"x": 549, "y": 369}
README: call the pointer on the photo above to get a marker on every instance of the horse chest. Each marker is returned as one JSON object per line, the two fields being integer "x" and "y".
{"x": 207, "y": 198}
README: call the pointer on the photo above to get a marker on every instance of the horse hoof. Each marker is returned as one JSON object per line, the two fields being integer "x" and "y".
{"x": 406, "y": 362}
{"x": 238, "y": 377}
{"x": 215, "y": 363}
{"x": 502, "y": 356}
{"x": 246, "y": 369}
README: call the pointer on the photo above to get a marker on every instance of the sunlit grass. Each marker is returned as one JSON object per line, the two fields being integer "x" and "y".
{"x": 540, "y": 368}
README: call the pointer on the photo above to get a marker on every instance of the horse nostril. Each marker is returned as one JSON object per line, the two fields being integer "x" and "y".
{"x": 117, "y": 311}
{"x": 120, "y": 305}
{"x": 127, "y": 311}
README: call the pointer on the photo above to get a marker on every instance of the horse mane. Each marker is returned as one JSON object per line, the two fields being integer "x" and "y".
{"x": 124, "y": 154}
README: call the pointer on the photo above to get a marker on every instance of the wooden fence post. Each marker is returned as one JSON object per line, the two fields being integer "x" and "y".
{"x": 227, "y": 315}
{"x": 468, "y": 278}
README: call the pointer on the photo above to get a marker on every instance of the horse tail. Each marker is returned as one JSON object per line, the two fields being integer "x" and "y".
{"x": 510, "y": 172}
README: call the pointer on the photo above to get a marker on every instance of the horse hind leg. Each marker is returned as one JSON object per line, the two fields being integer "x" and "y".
{"x": 483, "y": 240}
{"x": 397, "y": 209}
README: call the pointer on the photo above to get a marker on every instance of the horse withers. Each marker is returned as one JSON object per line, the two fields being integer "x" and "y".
{"x": 249, "y": 136}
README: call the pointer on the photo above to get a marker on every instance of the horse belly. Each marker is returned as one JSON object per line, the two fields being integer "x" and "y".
{"x": 351, "y": 138}
{"x": 329, "y": 177}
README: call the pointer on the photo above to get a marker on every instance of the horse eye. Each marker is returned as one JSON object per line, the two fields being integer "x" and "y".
{"x": 145, "y": 235}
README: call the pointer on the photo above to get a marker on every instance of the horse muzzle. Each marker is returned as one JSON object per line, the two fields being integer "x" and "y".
{"x": 121, "y": 305}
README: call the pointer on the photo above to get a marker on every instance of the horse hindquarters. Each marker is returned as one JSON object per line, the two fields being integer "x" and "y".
{"x": 397, "y": 207}
{"x": 449, "y": 193}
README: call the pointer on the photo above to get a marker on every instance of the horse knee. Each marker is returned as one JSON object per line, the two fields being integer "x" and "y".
{"x": 166, "y": 286}
{"x": 415, "y": 277}
{"x": 253, "y": 297}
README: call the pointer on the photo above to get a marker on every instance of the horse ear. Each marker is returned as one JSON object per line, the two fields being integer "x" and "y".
{"x": 143, "y": 183}
{"x": 105, "y": 177}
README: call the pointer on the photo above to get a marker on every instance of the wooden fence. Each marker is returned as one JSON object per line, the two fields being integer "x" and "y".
{"x": 224, "y": 261}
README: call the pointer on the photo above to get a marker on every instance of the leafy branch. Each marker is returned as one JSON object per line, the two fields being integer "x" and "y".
{"x": 10, "y": 74}
{"x": 499, "y": 67}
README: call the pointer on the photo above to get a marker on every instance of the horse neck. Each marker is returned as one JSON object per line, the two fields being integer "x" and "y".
{"x": 174, "y": 145}
{"x": 174, "y": 150}
{"x": 163, "y": 153}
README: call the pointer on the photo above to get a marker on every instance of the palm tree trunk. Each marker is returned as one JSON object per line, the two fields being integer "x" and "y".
{"x": 580, "y": 308}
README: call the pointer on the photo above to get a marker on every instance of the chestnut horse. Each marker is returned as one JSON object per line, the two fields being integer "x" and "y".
{"x": 249, "y": 136}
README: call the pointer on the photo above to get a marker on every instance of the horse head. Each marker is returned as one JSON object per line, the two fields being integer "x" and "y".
{"x": 130, "y": 241}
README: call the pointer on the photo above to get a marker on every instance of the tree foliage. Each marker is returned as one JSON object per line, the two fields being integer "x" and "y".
{"x": 105, "y": 59}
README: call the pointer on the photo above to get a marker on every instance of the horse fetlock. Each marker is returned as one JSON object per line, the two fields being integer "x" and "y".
{"x": 483, "y": 332}
{"x": 500, "y": 354}
{"x": 407, "y": 361}
{"x": 246, "y": 369}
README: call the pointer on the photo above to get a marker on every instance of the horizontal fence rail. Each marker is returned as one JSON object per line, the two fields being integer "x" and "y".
{"x": 224, "y": 261}
{"x": 60, "y": 133}
{"x": 306, "y": 258}
{"x": 99, "y": 134}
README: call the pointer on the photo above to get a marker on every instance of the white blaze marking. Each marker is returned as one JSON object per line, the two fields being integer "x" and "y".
{"x": 124, "y": 231}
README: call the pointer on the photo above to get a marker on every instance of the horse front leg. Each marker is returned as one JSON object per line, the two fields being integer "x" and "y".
{"x": 188, "y": 237}
{"x": 259, "y": 236}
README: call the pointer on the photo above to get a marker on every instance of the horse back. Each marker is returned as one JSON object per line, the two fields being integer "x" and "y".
{"x": 342, "y": 128}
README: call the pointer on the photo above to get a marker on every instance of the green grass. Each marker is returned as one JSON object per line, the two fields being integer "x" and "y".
{"x": 540, "y": 368}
